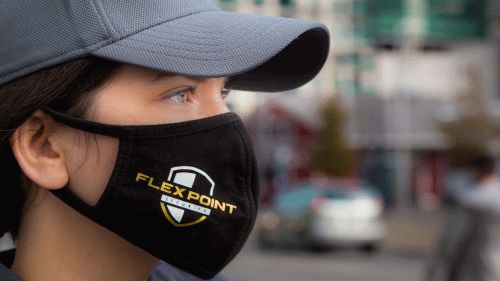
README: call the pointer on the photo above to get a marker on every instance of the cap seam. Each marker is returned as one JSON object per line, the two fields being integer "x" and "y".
{"x": 118, "y": 38}
{"x": 209, "y": 42}
{"x": 104, "y": 19}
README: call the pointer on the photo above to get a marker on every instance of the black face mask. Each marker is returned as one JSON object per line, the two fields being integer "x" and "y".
{"x": 185, "y": 192}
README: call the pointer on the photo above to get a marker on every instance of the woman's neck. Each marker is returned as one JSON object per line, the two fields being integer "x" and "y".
{"x": 56, "y": 243}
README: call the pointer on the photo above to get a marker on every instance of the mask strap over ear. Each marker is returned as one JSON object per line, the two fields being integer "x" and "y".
{"x": 84, "y": 125}
{"x": 70, "y": 198}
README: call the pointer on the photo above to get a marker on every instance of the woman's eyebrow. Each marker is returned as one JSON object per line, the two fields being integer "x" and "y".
{"x": 166, "y": 75}
{"x": 162, "y": 75}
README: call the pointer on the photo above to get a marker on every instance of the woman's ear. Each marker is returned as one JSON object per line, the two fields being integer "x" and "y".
{"x": 38, "y": 152}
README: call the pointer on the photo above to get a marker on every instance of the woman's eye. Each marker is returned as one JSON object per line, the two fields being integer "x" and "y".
{"x": 225, "y": 92}
{"x": 180, "y": 96}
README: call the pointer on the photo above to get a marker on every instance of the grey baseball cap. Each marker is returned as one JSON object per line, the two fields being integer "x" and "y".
{"x": 186, "y": 37}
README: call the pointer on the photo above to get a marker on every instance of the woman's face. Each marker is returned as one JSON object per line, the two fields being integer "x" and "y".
{"x": 135, "y": 96}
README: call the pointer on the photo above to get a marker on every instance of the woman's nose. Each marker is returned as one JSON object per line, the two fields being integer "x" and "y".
{"x": 212, "y": 101}
{"x": 216, "y": 106}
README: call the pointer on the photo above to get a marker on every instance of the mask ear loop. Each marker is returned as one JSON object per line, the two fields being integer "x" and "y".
{"x": 145, "y": 131}
{"x": 97, "y": 212}
{"x": 70, "y": 198}
{"x": 125, "y": 146}
{"x": 85, "y": 125}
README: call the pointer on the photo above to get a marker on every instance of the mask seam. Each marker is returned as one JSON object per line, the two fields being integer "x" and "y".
{"x": 248, "y": 148}
{"x": 248, "y": 195}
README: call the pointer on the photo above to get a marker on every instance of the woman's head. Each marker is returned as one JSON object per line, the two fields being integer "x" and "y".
{"x": 67, "y": 87}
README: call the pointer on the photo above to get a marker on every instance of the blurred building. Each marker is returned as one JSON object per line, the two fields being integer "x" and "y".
{"x": 284, "y": 131}
{"x": 399, "y": 66}
{"x": 421, "y": 54}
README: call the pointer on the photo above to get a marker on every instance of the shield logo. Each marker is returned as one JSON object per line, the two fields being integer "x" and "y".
{"x": 181, "y": 212}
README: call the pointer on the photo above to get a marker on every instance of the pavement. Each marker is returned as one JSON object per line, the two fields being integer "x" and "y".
{"x": 412, "y": 232}
{"x": 253, "y": 264}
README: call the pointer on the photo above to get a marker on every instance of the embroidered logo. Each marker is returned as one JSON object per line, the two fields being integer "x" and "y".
{"x": 187, "y": 196}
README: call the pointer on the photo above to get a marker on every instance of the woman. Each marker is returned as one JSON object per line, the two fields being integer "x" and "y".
{"x": 118, "y": 149}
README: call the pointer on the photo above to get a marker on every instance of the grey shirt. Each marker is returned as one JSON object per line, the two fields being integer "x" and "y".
{"x": 7, "y": 275}
{"x": 165, "y": 272}
{"x": 162, "y": 272}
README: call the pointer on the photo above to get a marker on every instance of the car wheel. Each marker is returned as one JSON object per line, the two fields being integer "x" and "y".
{"x": 369, "y": 248}
{"x": 264, "y": 244}
{"x": 316, "y": 247}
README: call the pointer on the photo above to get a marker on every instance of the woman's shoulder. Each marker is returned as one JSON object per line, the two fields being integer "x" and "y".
{"x": 7, "y": 275}
{"x": 166, "y": 272}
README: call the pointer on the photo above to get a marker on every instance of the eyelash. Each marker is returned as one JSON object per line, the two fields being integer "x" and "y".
{"x": 225, "y": 93}
{"x": 183, "y": 91}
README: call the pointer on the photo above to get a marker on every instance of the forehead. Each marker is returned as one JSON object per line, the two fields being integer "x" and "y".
{"x": 154, "y": 76}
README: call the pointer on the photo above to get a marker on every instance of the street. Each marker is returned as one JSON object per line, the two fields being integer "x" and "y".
{"x": 253, "y": 264}
{"x": 411, "y": 237}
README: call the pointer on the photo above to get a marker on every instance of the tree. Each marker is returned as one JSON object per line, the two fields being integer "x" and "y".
{"x": 332, "y": 154}
{"x": 474, "y": 128}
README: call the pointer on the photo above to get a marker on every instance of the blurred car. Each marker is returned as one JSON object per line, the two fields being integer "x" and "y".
{"x": 320, "y": 216}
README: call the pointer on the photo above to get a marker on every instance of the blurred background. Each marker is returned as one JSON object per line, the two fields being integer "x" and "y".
{"x": 371, "y": 148}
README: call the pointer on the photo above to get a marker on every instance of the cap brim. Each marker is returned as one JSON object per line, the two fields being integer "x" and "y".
{"x": 259, "y": 53}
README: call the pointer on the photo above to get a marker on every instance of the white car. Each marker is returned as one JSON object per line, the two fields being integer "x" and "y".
{"x": 318, "y": 217}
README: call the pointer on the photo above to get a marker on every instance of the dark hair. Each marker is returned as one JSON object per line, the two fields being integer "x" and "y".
{"x": 65, "y": 87}
{"x": 482, "y": 163}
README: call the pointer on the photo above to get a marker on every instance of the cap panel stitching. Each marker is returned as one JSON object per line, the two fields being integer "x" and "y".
{"x": 160, "y": 23}
{"x": 104, "y": 19}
